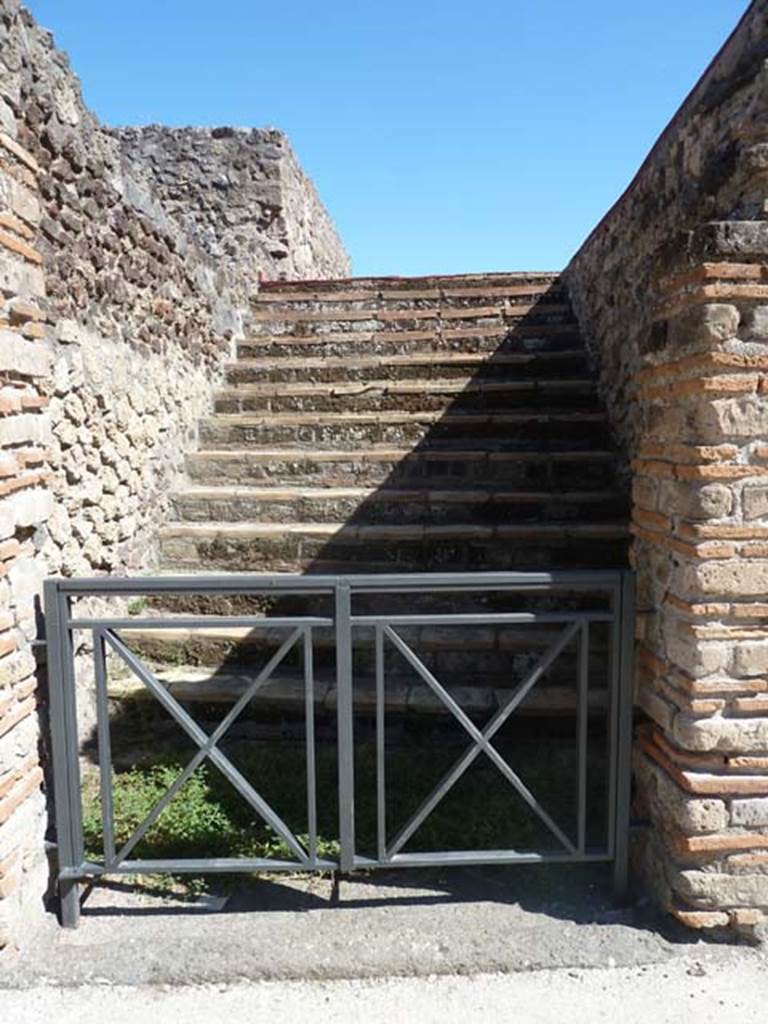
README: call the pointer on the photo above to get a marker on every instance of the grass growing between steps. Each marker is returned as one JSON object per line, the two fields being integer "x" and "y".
{"x": 209, "y": 818}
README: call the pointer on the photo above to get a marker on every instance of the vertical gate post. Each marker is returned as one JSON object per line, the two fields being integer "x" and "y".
{"x": 624, "y": 703}
{"x": 63, "y": 719}
{"x": 345, "y": 725}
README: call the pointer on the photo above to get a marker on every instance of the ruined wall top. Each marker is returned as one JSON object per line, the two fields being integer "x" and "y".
{"x": 240, "y": 193}
{"x": 144, "y": 224}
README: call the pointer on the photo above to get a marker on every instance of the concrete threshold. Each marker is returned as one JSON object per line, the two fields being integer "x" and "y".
{"x": 459, "y": 921}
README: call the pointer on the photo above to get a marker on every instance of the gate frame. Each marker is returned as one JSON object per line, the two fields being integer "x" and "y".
{"x": 60, "y": 627}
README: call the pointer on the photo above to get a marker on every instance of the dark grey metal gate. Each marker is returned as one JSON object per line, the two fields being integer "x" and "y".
{"x": 573, "y": 625}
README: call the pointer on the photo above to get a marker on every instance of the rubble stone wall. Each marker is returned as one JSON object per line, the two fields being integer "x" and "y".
{"x": 138, "y": 321}
{"x": 671, "y": 290}
{"x": 153, "y": 240}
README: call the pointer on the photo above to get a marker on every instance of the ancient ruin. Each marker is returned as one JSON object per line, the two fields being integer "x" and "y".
{"x": 191, "y": 381}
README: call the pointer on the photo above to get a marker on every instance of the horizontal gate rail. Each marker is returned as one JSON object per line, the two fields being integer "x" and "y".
{"x": 243, "y": 583}
{"x": 298, "y": 634}
{"x": 199, "y": 622}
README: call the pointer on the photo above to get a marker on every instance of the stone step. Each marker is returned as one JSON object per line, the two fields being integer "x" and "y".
{"x": 340, "y": 547}
{"x": 411, "y": 395}
{"x": 429, "y": 304}
{"x": 499, "y": 430}
{"x": 421, "y": 365}
{"x": 425, "y": 289}
{"x": 483, "y": 603}
{"x": 372, "y": 466}
{"x": 430, "y": 297}
{"x": 385, "y": 282}
{"x": 404, "y": 314}
{"x": 390, "y": 505}
{"x": 447, "y": 651}
{"x": 285, "y": 694}
{"x": 467, "y": 337}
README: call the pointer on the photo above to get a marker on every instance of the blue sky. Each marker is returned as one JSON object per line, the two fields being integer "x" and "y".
{"x": 443, "y": 137}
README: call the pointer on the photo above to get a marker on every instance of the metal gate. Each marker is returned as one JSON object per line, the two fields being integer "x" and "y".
{"x": 68, "y": 616}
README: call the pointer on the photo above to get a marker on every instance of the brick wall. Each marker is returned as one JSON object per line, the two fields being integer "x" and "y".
{"x": 671, "y": 290}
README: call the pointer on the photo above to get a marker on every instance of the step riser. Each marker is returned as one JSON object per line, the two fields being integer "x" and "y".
{"x": 538, "y": 474}
{"x": 474, "y": 399}
{"x": 297, "y": 554}
{"x": 529, "y": 339}
{"x": 526, "y": 368}
{"x": 355, "y": 434}
{"x": 379, "y": 510}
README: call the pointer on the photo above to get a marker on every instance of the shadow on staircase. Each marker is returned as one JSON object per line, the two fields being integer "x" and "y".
{"x": 398, "y": 425}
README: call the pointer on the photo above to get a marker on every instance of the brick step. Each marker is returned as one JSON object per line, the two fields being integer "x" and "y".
{"x": 390, "y": 505}
{"x": 372, "y": 466}
{"x": 524, "y": 337}
{"x": 502, "y": 430}
{"x": 421, "y": 365}
{"x": 285, "y": 694}
{"x": 343, "y": 547}
{"x": 404, "y": 396}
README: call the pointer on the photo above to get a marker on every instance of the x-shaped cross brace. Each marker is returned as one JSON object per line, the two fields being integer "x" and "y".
{"x": 482, "y": 739}
{"x": 208, "y": 747}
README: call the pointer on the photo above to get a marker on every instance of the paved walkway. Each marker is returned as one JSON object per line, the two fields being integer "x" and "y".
{"x": 735, "y": 992}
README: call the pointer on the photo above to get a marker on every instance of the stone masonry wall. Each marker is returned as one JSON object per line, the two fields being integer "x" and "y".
{"x": 131, "y": 300}
{"x": 671, "y": 290}
{"x": 115, "y": 321}
{"x": 242, "y": 196}
{"x": 153, "y": 240}
{"x": 25, "y": 505}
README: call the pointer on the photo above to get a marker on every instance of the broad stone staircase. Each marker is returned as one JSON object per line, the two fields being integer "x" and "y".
{"x": 395, "y": 425}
